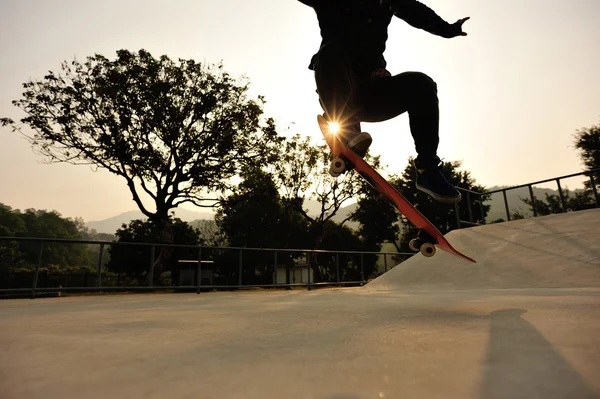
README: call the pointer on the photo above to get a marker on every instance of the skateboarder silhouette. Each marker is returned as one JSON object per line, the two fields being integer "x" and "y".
{"x": 354, "y": 85}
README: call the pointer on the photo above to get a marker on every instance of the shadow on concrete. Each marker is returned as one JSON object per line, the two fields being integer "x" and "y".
{"x": 521, "y": 363}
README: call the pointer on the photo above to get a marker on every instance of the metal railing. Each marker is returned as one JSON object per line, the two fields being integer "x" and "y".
{"x": 345, "y": 268}
{"x": 469, "y": 193}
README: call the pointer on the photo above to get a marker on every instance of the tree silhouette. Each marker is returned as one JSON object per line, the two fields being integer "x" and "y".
{"x": 302, "y": 172}
{"x": 587, "y": 141}
{"x": 134, "y": 261}
{"x": 553, "y": 204}
{"x": 255, "y": 216}
{"x": 41, "y": 224}
{"x": 173, "y": 131}
{"x": 380, "y": 221}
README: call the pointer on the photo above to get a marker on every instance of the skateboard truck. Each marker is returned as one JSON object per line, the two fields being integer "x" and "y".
{"x": 423, "y": 243}
{"x": 339, "y": 164}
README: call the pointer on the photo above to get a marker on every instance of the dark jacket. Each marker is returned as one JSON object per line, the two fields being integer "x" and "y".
{"x": 360, "y": 26}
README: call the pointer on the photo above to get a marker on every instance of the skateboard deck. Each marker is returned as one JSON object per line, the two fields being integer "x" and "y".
{"x": 342, "y": 153}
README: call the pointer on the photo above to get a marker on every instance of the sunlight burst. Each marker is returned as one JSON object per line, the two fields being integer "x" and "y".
{"x": 334, "y": 127}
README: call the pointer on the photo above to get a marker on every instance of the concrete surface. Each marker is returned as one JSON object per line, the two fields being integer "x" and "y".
{"x": 431, "y": 339}
{"x": 553, "y": 251}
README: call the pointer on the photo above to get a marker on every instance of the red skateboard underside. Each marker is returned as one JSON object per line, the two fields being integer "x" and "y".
{"x": 388, "y": 191}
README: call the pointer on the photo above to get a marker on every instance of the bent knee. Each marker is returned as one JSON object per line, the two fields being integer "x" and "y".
{"x": 426, "y": 82}
{"x": 422, "y": 82}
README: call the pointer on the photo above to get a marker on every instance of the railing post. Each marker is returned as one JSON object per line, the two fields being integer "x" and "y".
{"x": 362, "y": 268}
{"x": 37, "y": 271}
{"x": 275, "y": 269}
{"x": 506, "y": 205}
{"x": 287, "y": 270}
{"x": 532, "y": 201}
{"x": 594, "y": 190}
{"x": 481, "y": 209}
{"x": 470, "y": 206}
{"x": 309, "y": 269}
{"x": 100, "y": 265}
{"x": 457, "y": 211}
{"x": 240, "y": 269}
{"x": 151, "y": 272}
{"x": 199, "y": 271}
{"x": 385, "y": 262}
{"x": 562, "y": 197}
{"x": 337, "y": 267}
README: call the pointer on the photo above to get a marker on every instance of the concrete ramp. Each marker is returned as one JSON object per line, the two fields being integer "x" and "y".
{"x": 546, "y": 252}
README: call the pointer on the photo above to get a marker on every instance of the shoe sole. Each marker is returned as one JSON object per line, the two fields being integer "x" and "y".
{"x": 437, "y": 197}
{"x": 361, "y": 145}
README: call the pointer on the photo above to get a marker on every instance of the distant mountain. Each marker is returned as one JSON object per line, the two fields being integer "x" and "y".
{"x": 111, "y": 225}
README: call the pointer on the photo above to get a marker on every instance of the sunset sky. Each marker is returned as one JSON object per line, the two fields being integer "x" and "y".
{"x": 512, "y": 93}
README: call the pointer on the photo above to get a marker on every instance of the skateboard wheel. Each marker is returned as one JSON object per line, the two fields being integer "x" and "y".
{"x": 427, "y": 249}
{"x": 414, "y": 245}
{"x": 337, "y": 167}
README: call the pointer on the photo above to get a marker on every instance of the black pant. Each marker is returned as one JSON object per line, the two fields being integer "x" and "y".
{"x": 350, "y": 99}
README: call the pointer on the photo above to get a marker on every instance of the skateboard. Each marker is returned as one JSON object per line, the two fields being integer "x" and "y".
{"x": 344, "y": 159}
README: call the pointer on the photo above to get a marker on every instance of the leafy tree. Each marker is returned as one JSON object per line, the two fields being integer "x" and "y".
{"x": 587, "y": 141}
{"x": 372, "y": 204}
{"x": 254, "y": 216}
{"x": 351, "y": 266}
{"x": 93, "y": 250}
{"x": 301, "y": 173}
{"x": 210, "y": 233}
{"x": 376, "y": 215}
{"x": 552, "y": 204}
{"x": 171, "y": 130}
{"x": 11, "y": 225}
{"x": 42, "y": 224}
{"x": 134, "y": 261}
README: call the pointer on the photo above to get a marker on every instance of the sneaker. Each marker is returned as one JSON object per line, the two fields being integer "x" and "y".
{"x": 357, "y": 141}
{"x": 431, "y": 181}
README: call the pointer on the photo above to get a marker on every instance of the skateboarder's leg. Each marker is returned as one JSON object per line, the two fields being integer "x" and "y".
{"x": 337, "y": 87}
{"x": 415, "y": 93}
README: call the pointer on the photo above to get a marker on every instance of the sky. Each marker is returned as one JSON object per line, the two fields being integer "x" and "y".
{"x": 512, "y": 93}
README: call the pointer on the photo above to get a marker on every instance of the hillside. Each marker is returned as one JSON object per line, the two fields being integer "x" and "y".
{"x": 112, "y": 224}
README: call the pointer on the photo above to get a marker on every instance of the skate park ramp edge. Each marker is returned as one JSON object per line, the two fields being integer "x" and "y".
{"x": 555, "y": 251}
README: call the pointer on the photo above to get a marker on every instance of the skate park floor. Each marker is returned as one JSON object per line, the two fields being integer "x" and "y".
{"x": 523, "y": 322}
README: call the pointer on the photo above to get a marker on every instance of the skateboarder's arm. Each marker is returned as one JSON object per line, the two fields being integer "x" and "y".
{"x": 420, "y": 16}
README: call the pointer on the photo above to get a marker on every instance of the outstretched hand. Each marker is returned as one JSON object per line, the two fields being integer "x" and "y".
{"x": 456, "y": 28}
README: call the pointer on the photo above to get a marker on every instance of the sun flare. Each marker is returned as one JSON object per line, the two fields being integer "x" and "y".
{"x": 334, "y": 127}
